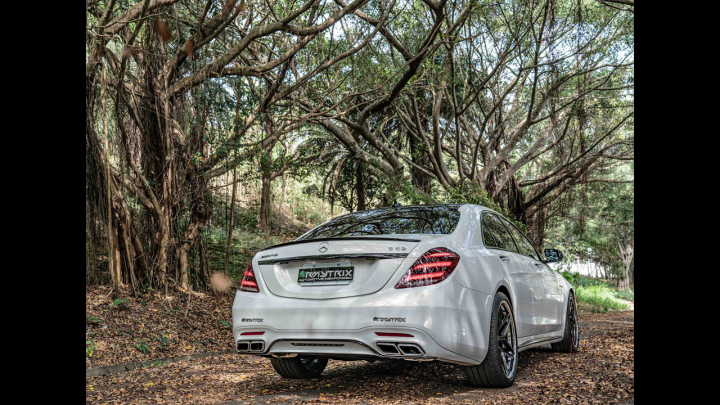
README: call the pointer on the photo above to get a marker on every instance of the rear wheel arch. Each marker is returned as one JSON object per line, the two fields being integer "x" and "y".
{"x": 499, "y": 367}
{"x": 505, "y": 290}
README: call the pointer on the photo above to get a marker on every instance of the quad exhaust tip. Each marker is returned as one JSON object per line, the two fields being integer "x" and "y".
{"x": 410, "y": 349}
{"x": 400, "y": 349}
{"x": 246, "y": 346}
{"x": 388, "y": 348}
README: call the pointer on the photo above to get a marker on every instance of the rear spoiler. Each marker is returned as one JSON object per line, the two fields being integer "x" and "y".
{"x": 295, "y": 242}
{"x": 367, "y": 256}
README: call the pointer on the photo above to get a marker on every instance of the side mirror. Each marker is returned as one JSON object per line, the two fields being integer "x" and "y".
{"x": 553, "y": 255}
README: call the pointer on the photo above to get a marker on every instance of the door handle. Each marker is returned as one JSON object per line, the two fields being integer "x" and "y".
{"x": 504, "y": 258}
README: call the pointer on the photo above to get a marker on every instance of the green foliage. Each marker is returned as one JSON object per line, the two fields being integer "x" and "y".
{"x": 243, "y": 247}
{"x": 600, "y": 298}
{"x": 593, "y": 221}
{"x": 93, "y": 320}
{"x": 211, "y": 116}
{"x": 142, "y": 346}
{"x": 120, "y": 303}
{"x": 471, "y": 193}
{"x": 572, "y": 278}
{"x": 224, "y": 322}
{"x": 626, "y": 295}
{"x": 90, "y": 348}
{"x": 413, "y": 195}
{"x": 598, "y": 294}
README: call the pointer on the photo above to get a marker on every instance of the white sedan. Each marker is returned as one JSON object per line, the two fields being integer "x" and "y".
{"x": 453, "y": 283}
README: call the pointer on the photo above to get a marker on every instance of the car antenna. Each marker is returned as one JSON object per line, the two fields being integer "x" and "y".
{"x": 395, "y": 203}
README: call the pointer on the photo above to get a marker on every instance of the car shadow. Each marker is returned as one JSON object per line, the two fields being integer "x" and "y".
{"x": 386, "y": 381}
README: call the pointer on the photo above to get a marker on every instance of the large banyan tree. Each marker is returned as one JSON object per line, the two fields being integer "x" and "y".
{"x": 514, "y": 101}
{"x": 518, "y": 101}
{"x": 159, "y": 78}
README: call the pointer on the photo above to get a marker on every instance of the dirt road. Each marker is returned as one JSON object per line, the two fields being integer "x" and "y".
{"x": 602, "y": 372}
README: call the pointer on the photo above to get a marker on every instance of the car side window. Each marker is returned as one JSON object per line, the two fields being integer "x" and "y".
{"x": 500, "y": 234}
{"x": 523, "y": 243}
{"x": 488, "y": 239}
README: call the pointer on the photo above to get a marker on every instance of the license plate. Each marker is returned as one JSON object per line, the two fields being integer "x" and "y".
{"x": 321, "y": 274}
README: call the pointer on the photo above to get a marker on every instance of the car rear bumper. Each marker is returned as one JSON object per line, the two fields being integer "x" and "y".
{"x": 436, "y": 316}
{"x": 353, "y": 345}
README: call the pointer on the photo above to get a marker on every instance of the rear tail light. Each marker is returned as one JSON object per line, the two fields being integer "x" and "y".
{"x": 432, "y": 267}
{"x": 248, "y": 282}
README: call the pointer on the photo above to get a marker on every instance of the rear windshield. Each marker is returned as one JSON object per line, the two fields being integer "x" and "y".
{"x": 390, "y": 221}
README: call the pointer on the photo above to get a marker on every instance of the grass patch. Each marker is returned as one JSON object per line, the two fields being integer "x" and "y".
{"x": 600, "y": 298}
{"x": 598, "y": 294}
{"x": 626, "y": 295}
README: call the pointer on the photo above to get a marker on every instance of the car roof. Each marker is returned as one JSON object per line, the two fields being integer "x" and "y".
{"x": 428, "y": 206}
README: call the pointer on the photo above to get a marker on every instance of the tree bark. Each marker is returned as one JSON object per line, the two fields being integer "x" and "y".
{"x": 264, "y": 216}
{"x": 114, "y": 257}
{"x": 230, "y": 225}
{"x": 536, "y": 227}
{"x": 112, "y": 228}
{"x": 201, "y": 212}
{"x": 360, "y": 187}
{"x": 627, "y": 253}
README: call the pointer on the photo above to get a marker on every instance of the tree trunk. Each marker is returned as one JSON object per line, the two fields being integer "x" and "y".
{"x": 359, "y": 187}
{"x": 126, "y": 246}
{"x": 627, "y": 253}
{"x": 200, "y": 214}
{"x": 183, "y": 258}
{"x": 536, "y": 227}
{"x": 204, "y": 261}
{"x": 114, "y": 257}
{"x": 230, "y": 225}
{"x": 264, "y": 217}
{"x": 420, "y": 179}
{"x": 140, "y": 254}
{"x": 163, "y": 255}
{"x": 624, "y": 284}
{"x": 112, "y": 228}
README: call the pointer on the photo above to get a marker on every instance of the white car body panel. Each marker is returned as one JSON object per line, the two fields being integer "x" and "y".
{"x": 449, "y": 320}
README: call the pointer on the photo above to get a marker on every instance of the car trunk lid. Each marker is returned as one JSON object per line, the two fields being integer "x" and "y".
{"x": 371, "y": 260}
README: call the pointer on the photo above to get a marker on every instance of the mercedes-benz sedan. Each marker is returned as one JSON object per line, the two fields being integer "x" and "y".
{"x": 453, "y": 283}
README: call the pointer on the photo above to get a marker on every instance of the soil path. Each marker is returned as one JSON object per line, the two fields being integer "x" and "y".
{"x": 602, "y": 372}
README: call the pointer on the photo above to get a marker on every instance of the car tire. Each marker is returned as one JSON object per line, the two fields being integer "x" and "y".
{"x": 495, "y": 370}
{"x": 304, "y": 367}
{"x": 571, "y": 338}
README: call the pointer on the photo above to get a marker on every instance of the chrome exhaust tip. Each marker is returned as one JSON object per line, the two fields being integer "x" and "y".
{"x": 410, "y": 349}
{"x": 257, "y": 346}
{"x": 389, "y": 349}
{"x": 246, "y": 346}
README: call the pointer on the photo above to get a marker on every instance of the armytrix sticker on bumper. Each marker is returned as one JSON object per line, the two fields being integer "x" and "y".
{"x": 251, "y": 320}
{"x": 377, "y": 319}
